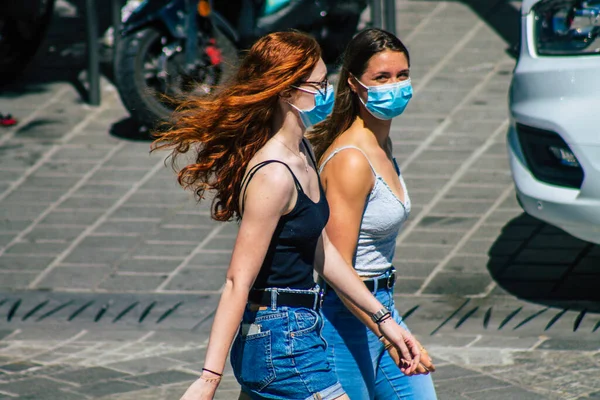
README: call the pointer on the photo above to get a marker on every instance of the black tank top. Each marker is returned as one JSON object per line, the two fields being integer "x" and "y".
{"x": 289, "y": 262}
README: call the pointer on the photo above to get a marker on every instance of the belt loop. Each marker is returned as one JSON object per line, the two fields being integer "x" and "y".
{"x": 375, "y": 285}
{"x": 274, "y": 294}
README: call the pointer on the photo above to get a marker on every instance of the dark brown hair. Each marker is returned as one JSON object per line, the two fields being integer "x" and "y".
{"x": 356, "y": 58}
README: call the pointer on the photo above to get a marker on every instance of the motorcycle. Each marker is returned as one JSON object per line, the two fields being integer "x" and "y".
{"x": 169, "y": 49}
{"x": 23, "y": 25}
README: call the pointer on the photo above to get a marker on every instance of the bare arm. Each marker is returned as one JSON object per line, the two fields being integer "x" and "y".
{"x": 270, "y": 194}
{"x": 349, "y": 179}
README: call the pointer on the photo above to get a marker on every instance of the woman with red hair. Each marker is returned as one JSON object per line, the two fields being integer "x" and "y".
{"x": 249, "y": 149}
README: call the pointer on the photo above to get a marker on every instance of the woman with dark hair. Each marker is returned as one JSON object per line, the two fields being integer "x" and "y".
{"x": 249, "y": 149}
{"x": 369, "y": 204}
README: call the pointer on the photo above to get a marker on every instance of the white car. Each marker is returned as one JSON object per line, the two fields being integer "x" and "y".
{"x": 554, "y": 135}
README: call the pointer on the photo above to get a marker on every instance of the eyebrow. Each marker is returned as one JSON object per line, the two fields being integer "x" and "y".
{"x": 387, "y": 72}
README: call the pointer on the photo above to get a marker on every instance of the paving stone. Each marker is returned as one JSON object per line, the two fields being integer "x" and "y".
{"x": 450, "y": 207}
{"x": 163, "y": 378}
{"x": 18, "y": 366}
{"x": 165, "y": 250}
{"x": 415, "y": 269}
{"x": 118, "y": 175}
{"x": 121, "y": 227}
{"x": 468, "y": 264}
{"x": 30, "y": 386}
{"x": 88, "y": 376}
{"x": 408, "y": 285}
{"x": 129, "y": 283}
{"x": 94, "y": 255}
{"x": 198, "y": 279}
{"x": 37, "y": 248}
{"x": 447, "y": 222}
{"x": 211, "y": 259}
{"x": 21, "y": 211}
{"x": 422, "y": 253}
{"x": 16, "y": 280}
{"x": 445, "y": 372}
{"x": 53, "y": 233}
{"x": 52, "y": 395}
{"x": 108, "y": 242}
{"x": 434, "y": 237}
{"x": 570, "y": 344}
{"x": 145, "y": 365}
{"x": 145, "y": 211}
{"x": 74, "y": 277}
{"x": 148, "y": 265}
{"x": 505, "y": 393}
{"x": 39, "y": 196}
{"x": 16, "y": 262}
{"x": 179, "y": 234}
{"x": 463, "y": 284}
{"x": 506, "y": 342}
{"x": 108, "y": 388}
{"x": 71, "y": 218}
{"x": 105, "y": 190}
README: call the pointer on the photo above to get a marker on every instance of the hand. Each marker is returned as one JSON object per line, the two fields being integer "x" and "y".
{"x": 405, "y": 343}
{"x": 202, "y": 389}
{"x": 425, "y": 366}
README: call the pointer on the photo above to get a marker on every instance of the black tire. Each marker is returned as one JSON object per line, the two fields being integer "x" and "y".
{"x": 146, "y": 103}
{"x": 21, "y": 38}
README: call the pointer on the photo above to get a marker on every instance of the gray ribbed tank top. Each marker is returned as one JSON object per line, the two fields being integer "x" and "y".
{"x": 383, "y": 217}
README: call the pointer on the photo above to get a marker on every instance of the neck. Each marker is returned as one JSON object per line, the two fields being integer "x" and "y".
{"x": 379, "y": 128}
{"x": 289, "y": 130}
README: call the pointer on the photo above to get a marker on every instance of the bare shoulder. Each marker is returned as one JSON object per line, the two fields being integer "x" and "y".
{"x": 349, "y": 171}
{"x": 270, "y": 185}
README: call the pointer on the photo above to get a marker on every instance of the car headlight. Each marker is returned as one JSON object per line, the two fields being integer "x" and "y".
{"x": 567, "y": 27}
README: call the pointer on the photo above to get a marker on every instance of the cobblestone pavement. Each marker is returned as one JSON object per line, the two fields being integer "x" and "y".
{"x": 109, "y": 272}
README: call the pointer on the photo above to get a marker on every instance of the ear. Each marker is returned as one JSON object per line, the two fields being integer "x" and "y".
{"x": 285, "y": 94}
{"x": 352, "y": 83}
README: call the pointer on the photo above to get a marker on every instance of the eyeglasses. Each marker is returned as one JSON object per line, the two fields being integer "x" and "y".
{"x": 320, "y": 87}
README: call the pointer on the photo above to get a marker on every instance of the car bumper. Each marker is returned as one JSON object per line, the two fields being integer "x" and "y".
{"x": 576, "y": 211}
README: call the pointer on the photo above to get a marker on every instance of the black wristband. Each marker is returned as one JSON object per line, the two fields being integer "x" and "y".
{"x": 212, "y": 372}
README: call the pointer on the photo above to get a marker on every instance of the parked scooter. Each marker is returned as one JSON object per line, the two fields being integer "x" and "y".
{"x": 23, "y": 25}
{"x": 172, "y": 48}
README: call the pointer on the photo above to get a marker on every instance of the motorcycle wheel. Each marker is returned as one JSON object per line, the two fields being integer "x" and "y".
{"x": 21, "y": 38}
{"x": 150, "y": 76}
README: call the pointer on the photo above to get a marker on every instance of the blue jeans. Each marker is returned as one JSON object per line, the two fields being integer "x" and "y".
{"x": 363, "y": 366}
{"x": 279, "y": 353}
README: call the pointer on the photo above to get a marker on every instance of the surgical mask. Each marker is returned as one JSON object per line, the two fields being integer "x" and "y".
{"x": 322, "y": 109}
{"x": 389, "y": 100}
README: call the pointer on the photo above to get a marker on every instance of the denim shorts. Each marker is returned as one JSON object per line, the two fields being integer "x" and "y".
{"x": 279, "y": 353}
{"x": 364, "y": 367}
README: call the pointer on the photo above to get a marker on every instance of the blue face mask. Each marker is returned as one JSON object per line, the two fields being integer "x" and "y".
{"x": 323, "y": 107}
{"x": 389, "y": 100}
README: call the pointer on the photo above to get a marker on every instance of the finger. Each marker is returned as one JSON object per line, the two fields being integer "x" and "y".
{"x": 422, "y": 370}
{"x": 404, "y": 352}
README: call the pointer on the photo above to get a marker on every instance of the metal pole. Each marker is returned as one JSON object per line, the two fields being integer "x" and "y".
{"x": 376, "y": 13}
{"x": 389, "y": 12}
{"x": 92, "y": 50}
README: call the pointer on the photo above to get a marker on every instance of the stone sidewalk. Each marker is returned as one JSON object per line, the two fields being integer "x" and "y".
{"x": 507, "y": 305}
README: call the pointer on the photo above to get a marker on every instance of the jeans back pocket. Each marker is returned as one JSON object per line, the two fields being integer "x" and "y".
{"x": 252, "y": 360}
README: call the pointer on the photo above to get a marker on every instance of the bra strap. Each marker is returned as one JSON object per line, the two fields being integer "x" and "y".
{"x": 254, "y": 170}
{"x": 333, "y": 153}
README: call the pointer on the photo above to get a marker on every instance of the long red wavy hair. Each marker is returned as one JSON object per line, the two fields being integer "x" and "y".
{"x": 226, "y": 130}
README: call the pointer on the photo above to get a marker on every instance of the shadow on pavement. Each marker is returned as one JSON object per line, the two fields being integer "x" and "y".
{"x": 540, "y": 263}
{"x": 129, "y": 129}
